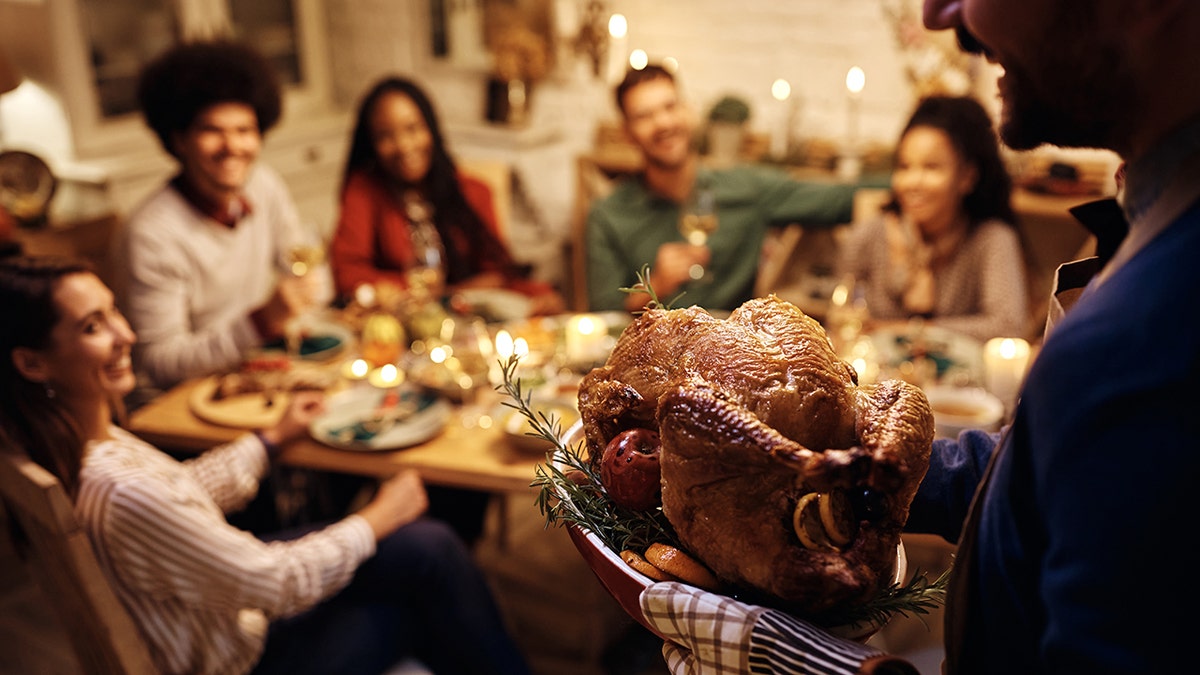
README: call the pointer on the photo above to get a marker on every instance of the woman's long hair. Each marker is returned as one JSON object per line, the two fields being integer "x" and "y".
{"x": 30, "y": 416}
{"x": 461, "y": 228}
{"x": 971, "y": 132}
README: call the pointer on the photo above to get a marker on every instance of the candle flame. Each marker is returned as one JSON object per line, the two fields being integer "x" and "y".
{"x": 617, "y": 25}
{"x": 638, "y": 59}
{"x": 504, "y": 344}
{"x": 856, "y": 79}
{"x": 781, "y": 89}
{"x": 520, "y": 347}
{"x": 389, "y": 374}
{"x": 360, "y": 367}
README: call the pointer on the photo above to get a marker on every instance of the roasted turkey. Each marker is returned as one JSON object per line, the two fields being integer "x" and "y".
{"x": 778, "y": 471}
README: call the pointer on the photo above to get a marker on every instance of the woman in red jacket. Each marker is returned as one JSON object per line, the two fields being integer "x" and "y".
{"x": 409, "y": 217}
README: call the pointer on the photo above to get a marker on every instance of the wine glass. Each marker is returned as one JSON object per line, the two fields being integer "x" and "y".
{"x": 427, "y": 276}
{"x": 302, "y": 260}
{"x": 697, "y": 221}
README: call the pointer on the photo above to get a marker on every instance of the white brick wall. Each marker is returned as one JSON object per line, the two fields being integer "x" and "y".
{"x": 723, "y": 46}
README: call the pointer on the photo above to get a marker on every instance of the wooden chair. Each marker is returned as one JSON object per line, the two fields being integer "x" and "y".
{"x": 61, "y": 561}
{"x": 497, "y": 175}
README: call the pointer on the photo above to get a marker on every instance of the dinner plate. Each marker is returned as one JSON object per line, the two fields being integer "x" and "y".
{"x": 348, "y": 417}
{"x": 496, "y": 304}
{"x": 519, "y": 433}
{"x": 626, "y": 584}
{"x": 951, "y": 352}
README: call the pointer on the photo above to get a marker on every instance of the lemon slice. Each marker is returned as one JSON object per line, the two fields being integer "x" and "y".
{"x": 806, "y": 521}
{"x": 837, "y": 517}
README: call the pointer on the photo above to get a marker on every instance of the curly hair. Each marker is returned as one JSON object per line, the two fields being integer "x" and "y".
{"x": 970, "y": 130}
{"x": 188, "y": 78}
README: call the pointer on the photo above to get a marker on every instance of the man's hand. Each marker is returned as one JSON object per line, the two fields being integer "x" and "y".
{"x": 711, "y": 634}
{"x": 673, "y": 266}
{"x": 293, "y": 296}
{"x": 672, "y": 269}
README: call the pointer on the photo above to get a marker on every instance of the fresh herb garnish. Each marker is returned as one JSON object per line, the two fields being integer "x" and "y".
{"x": 643, "y": 286}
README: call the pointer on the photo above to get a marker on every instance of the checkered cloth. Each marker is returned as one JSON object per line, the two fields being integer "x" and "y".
{"x": 712, "y": 634}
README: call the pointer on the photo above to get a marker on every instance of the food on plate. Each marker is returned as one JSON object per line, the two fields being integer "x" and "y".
{"x": 779, "y": 473}
{"x": 629, "y": 469}
{"x": 270, "y": 374}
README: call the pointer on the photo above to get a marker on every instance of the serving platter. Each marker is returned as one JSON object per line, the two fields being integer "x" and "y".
{"x": 626, "y": 584}
{"x": 263, "y": 407}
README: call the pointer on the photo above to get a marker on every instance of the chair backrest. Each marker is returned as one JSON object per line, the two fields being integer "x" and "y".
{"x": 497, "y": 175}
{"x": 61, "y": 561}
{"x": 594, "y": 179}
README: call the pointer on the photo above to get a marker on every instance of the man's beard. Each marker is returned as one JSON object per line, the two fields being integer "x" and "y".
{"x": 1070, "y": 92}
{"x": 1084, "y": 104}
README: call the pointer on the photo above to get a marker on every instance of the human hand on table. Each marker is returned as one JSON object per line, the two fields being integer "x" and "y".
{"x": 711, "y": 634}
{"x": 399, "y": 501}
{"x": 303, "y": 408}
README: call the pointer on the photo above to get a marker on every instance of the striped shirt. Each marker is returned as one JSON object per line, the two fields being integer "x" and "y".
{"x": 201, "y": 590}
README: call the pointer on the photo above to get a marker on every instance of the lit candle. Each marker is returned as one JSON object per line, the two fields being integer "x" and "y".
{"x": 504, "y": 345}
{"x": 386, "y": 376}
{"x": 850, "y": 163}
{"x": 356, "y": 370}
{"x": 618, "y": 49}
{"x": 780, "y": 91}
{"x": 585, "y": 337}
{"x": 856, "y": 80}
{"x": 1004, "y": 363}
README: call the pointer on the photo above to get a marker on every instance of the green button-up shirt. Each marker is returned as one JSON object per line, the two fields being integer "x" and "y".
{"x": 625, "y": 229}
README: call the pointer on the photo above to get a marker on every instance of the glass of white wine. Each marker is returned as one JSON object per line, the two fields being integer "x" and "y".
{"x": 697, "y": 222}
{"x": 427, "y": 276}
{"x": 302, "y": 260}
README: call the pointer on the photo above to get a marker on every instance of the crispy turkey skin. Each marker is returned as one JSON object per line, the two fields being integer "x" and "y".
{"x": 754, "y": 412}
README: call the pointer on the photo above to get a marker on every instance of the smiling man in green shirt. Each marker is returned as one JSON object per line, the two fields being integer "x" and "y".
{"x": 638, "y": 224}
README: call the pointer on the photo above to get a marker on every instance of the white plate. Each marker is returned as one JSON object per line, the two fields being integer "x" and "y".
{"x": 950, "y": 351}
{"x": 519, "y": 433}
{"x": 497, "y": 304}
{"x": 360, "y": 404}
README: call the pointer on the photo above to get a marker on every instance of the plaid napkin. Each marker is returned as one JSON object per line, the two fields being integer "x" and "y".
{"x": 712, "y": 634}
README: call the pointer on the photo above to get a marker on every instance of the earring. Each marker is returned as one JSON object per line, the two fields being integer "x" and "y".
{"x": 49, "y": 391}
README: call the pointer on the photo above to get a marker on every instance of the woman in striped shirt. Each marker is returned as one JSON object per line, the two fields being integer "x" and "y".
{"x": 357, "y": 596}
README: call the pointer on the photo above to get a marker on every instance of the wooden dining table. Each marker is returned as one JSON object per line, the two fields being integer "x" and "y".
{"x": 475, "y": 456}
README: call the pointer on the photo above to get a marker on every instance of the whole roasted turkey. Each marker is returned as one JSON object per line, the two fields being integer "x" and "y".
{"x": 755, "y": 413}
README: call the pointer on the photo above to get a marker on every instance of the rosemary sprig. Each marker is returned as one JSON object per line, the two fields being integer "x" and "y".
{"x": 643, "y": 286}
{"x": 570, "y": 493}
{"x": 582, "y": 502}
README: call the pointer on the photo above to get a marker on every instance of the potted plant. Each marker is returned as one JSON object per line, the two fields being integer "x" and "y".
{"x": 726, "y": 127}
